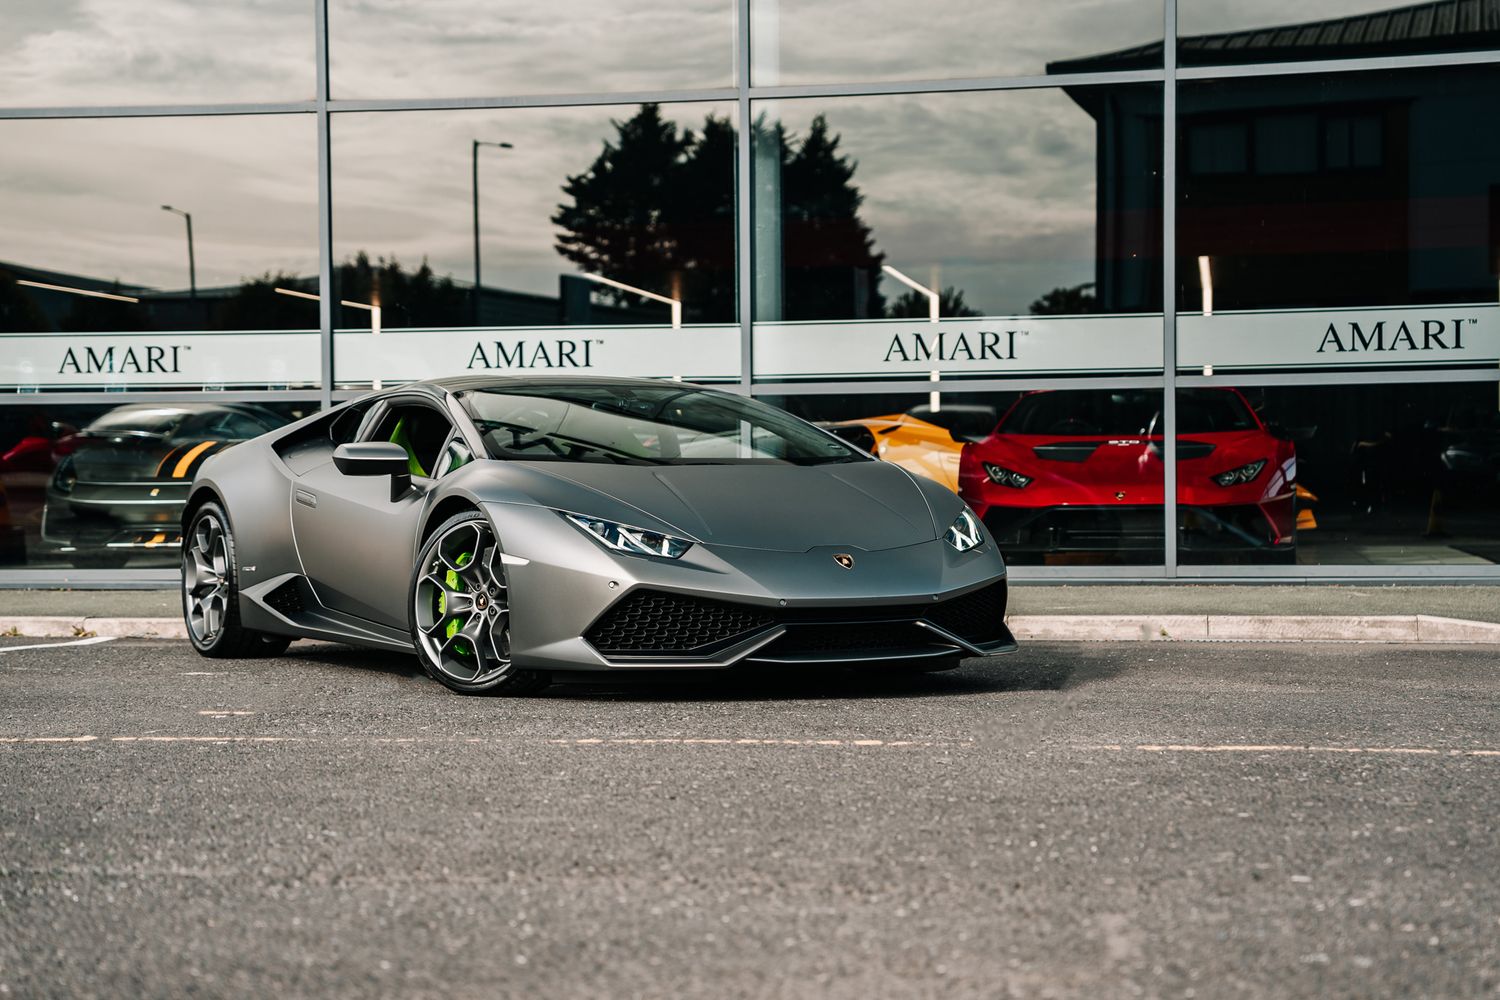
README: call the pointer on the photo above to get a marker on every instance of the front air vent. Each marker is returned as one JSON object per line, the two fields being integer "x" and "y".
{"x": 661, "y": 624}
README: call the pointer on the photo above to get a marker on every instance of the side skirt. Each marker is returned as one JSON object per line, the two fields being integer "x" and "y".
{"x": 287, "y": 605}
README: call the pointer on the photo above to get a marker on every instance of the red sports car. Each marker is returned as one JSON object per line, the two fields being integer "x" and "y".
{"x": 1080, "y": 471}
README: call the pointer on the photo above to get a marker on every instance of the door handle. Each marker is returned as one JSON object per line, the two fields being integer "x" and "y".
{"x": 305, "y": 498}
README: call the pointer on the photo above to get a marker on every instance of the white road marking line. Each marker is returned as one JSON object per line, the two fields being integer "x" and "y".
{"x": 89, "y": 640}
{"x": 1285, "y": 748}
{"x": 48, "y": 739}
{"x": 223, "y": 713}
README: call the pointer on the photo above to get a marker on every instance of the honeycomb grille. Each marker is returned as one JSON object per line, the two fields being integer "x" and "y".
{"x": 673, "y": 624}
{"x": 978, "y": 616}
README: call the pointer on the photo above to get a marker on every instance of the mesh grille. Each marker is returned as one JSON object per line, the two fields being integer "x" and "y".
{"x": 652, "y": 622}
{"x": 286, "y": 599}
{"x": 978, "y": 616}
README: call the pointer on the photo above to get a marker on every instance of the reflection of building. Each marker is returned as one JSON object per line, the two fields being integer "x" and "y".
{"x": 1340, "y": 193}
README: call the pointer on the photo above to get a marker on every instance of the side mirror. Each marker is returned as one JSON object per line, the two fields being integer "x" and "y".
{"x": 375, "y": 458}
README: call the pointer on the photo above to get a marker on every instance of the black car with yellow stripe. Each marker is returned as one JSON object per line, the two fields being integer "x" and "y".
{"x": 121, "y": 482}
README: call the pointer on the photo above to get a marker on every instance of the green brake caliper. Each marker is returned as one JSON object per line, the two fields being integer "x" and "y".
{"x": 454, "y": 583}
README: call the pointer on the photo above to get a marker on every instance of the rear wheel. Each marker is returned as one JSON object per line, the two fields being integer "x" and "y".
{"x": 210, "y": 592}
{"x": 461, "y": 612}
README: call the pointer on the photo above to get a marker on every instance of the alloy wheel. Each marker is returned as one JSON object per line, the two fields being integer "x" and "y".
{"x": 463, "y": 607}
{"x": 205, "y": 578}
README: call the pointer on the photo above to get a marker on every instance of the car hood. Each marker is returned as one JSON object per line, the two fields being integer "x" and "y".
{"x": 861, "y": 505}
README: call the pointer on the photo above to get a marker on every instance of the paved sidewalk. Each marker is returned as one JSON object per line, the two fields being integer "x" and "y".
{"x": 1038, "y": 611}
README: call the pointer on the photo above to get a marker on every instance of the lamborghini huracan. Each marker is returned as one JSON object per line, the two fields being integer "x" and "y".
{"x": 1080, "y": 471}
{"x": 920, "y": 440}
{"x": 508, "y": 528}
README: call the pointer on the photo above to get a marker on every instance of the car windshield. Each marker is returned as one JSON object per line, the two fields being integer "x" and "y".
{"x": 644, "y": 425}
{"x": 1125, "y": 413}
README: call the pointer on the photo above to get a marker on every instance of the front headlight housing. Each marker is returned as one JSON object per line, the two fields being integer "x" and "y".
{"x": 964, "y": 533}
{"x": 1244, "y": 474}
{"x": 1006, "y": 477}
{"x": 627, "y": 538}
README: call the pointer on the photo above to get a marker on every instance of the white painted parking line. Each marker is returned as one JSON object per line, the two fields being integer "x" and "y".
{"x": 1287, "y": 748}
{"x": 89, "y": 640}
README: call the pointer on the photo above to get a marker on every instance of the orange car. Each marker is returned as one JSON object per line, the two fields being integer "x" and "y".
{"x": 920, "y": 441}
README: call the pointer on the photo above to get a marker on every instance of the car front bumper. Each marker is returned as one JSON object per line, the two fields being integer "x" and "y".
{"x": 576, "y": 606}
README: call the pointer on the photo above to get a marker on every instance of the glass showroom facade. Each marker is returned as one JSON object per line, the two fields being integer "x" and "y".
{"x": 1226, "y": 306}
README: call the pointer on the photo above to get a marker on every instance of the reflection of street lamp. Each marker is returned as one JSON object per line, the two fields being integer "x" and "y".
{"x": 1206, "y": 282}
{"x": 77, "y": 291}
{"x": 192, "y": 266}
{"x": 474, "y": 170}
{"x": 676, "y": 304}
{"x": 372, "y": 309}
{"x": 932, "y": 297}
{"x": 934, "y": 398}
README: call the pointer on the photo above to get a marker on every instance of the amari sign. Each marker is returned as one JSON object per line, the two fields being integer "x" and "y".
{"x": 144, "y": 360}
{"x": 986, "y": 346}
{"x": 704, "y": 353}
{"x": 1320, "y": 338}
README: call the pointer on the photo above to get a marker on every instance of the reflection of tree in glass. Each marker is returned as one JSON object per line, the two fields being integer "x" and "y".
{"x": 656, "y": 210}
{"x": 830, "y": 267}
{"x": 407, "y": 298}
{"x": 1074, "y": 301}
{"x": 913, "y": 305}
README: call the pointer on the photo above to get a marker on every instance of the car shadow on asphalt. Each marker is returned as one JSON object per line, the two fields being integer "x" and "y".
{"x": 1033, "y": 668}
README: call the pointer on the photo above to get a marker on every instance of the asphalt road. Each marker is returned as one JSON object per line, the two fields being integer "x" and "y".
{"x": 1174, "y": 820}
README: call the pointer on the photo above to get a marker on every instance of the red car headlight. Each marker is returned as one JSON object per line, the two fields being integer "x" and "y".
{"x": 1006, "y": 477}
{"x": 1243, "y": 474}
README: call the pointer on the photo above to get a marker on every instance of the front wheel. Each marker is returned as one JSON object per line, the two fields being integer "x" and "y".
{"x": 461, "y": 612}
{"x": 210, "y": 592}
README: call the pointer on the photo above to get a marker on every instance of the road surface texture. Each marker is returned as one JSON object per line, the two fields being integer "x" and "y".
{"x": 1077, "y": 820}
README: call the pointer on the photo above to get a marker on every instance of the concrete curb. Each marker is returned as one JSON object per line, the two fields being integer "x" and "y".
{"x": 1050, "y": 628}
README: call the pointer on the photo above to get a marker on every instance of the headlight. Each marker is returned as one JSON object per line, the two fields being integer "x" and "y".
{"x": 964, "y": 533}
{"x": 1243, "y": 474}
{"x": 1006, "y": 477}
{"x": 66, "y": 476}
{"x": 624, "y": 538}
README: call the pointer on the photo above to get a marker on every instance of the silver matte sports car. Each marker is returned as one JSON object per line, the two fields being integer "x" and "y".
{"x": 510, "y": 528}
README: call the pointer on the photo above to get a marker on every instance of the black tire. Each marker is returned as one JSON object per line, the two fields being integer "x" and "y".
{"x": 211, "y": 595}
{"x": 465, "y": 552}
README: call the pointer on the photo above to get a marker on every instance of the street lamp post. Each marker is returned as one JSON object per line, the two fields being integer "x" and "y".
{"x": 474, "y": 171}
{"x": 192, "y": 264}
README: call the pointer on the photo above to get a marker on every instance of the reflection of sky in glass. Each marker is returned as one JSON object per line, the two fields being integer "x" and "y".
{"x": 455, "y": 48}
{"x": 56, "y": 52}
{"x": 994, "y": 191}
{"x": 1202, "y": 17}
{"x": 814, "y": 41}
{"x": 84, "y": 196}
{"x": 402, "y": 185}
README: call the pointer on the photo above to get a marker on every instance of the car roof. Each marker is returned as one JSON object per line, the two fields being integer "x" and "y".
{"x": 462, "y": 383}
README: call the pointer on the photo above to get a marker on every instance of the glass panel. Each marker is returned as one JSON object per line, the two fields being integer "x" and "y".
{"x": 56, "y": 53}
{"x": 1223, "y": 31}
{"x": 581, "y": 239}
{"x": 102, "y": 284}
{"x": 100, "y": 486}
{"x": 1338, "y": 220}
{"x": 962, "y": 233}
{"x": 466, "y": 48}
{"x": 828, "y": 40}
{"x": 1069, "y": 477}
{"x": 1342, "y": 475}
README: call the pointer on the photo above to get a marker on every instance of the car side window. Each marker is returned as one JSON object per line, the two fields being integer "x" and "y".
{"x": 455, "y": 456}
{"x": 421, "y": 430}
